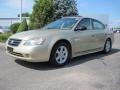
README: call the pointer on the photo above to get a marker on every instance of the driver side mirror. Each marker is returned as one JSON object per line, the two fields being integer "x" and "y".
{"x": 81, "y": 28}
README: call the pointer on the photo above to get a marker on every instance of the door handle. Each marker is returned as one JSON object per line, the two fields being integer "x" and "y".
{"x": 77, "y": 39}
{"x": 93, "y": 35}
{"x": 106, "y": 34}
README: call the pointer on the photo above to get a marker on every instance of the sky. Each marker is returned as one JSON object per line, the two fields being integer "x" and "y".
{"x": 10, "y": 8}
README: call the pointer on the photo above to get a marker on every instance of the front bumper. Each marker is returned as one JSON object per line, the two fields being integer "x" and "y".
{"x": 37, "y": 53}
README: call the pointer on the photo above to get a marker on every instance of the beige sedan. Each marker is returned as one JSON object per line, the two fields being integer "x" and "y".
{"x": 61, "y": 40}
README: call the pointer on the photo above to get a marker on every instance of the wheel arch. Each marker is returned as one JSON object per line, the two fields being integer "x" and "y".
{"x": 59, "y": 41}
{"x": 109, "y": 39}
{"x": 104, "y": 50}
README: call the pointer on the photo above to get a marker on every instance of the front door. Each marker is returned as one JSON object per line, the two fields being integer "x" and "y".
{"x": 84, "y": 40}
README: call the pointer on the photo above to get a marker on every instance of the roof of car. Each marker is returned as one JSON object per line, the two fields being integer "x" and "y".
{"x": 73, "y": 17}
{"x": 77, "y": 17}
{"x": 80, "y": 17}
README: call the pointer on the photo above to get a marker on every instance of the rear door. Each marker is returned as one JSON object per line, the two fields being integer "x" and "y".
{"x": 100, "y": 33}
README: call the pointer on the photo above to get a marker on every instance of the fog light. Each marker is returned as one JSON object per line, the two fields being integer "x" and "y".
{"x": 27, "y": 55}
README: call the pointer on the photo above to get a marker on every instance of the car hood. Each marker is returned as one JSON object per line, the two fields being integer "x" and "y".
{"x": 26, "y": 35}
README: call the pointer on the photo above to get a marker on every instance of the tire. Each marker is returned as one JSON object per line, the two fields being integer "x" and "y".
{"x": 60, "y": 55}
{"x": 107, "y": 46}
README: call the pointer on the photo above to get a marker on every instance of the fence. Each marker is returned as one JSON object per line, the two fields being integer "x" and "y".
{"x": 6, "y": 22}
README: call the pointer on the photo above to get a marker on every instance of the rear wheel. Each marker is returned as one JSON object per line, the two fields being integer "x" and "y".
{"x": 60, "y": 54}
{"x": 107, "y": 46}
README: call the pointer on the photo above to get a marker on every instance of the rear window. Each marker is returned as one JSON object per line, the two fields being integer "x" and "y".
{"x": 97, "y": 25}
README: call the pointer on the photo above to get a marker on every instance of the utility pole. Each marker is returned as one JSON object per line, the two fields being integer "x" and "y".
{"x": 20, "y": 11}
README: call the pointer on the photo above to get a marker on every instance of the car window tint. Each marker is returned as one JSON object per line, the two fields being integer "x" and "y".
{"x": 97, "y": 25}
{"x": 84, "y": 22}
{"x": 62, "y": 24}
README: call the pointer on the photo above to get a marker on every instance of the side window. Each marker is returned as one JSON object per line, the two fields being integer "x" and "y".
{"x": 84, "y": 22}
{"x": 98, "y": 25}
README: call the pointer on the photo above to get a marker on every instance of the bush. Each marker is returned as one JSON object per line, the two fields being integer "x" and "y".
{"x": 23, "y": 26}
{"x": 4, "y": 36}
{"x": 14, "y": 27}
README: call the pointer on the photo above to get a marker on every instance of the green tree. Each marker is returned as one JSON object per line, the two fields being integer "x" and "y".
{"x": 65, "y": 8}
{"x": 26, "y": 14}
{"x": 14, "y": 27}
{"x": 45, "y": 11}
{"x": 23, "y": 26}
{"x": 42, "y": 13}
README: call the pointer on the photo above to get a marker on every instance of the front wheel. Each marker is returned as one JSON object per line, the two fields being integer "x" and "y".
{"x": 60, "y": 54}
{"x": 107, "y": 46}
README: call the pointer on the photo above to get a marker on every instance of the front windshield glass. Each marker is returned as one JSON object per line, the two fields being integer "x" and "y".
{"x": 62, "y": 24}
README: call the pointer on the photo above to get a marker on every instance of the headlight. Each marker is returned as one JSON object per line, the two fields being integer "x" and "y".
{"x": 35, "y": 41}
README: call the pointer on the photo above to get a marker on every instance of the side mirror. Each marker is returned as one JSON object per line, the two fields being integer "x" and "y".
{"x": 82, "y": 28}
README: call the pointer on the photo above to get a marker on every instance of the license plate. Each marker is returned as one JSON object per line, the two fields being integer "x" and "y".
{"x": 10, "y": 49}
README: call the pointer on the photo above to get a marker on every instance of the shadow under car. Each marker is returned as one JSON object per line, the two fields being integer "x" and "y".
{"x": 75, "y": 61}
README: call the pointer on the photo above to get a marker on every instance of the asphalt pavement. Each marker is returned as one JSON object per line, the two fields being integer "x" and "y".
{"x": 96, "y": 71}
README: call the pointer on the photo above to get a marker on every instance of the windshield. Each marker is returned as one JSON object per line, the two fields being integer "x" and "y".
{"x": 62, "y": 24}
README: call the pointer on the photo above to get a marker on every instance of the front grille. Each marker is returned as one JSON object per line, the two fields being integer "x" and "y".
{"x": 14, "y": 42}
{"x": 10, "y": 50}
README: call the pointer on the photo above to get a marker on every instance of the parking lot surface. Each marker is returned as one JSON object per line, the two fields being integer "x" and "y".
{"x": 96, "y": 71}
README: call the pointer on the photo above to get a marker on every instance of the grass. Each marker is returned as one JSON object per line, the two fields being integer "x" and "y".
{"x": 5, "y": 36}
